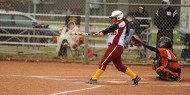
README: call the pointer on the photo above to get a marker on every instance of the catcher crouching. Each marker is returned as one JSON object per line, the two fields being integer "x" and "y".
{"x": 166, "y": 66}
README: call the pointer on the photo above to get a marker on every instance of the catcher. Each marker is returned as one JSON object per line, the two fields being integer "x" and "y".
{"x": 167, "y": 66}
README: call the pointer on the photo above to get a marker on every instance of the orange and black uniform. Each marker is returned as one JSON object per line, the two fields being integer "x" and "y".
{"x": 168, "y": 67}
{"x": 168, "y": 58}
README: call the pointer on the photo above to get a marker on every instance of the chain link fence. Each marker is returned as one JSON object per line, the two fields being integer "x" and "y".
{"x": 34, "y": 26}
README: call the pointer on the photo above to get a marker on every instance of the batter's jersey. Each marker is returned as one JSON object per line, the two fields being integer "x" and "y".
{"x": 117, "y": 36}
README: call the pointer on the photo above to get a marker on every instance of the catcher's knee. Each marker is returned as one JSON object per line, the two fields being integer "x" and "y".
{"x": 161, "y": 73}
{"x": 156, "y": 64}
{"x": 173, "y": 76}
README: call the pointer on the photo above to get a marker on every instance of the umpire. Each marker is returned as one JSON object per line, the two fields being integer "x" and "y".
{"x": 166, "y": 18}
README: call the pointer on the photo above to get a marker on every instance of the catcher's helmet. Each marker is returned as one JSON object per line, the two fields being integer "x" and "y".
{"x": 167, "y": 40}
{"x": 117, "y": 14}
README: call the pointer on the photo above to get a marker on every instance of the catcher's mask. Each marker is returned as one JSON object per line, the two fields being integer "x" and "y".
{"x": 167, "y": 40}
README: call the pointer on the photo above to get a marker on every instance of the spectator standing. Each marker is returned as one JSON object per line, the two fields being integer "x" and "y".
{"x": 166, "y": 18}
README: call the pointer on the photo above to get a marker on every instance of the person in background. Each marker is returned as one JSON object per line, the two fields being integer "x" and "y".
{"x": 73, "y": 40}
{"x": 141, "y": 12}
{"x": 66, "y": 42}
{"x": 133, "y": 27}
{"x": 166, "y": 18}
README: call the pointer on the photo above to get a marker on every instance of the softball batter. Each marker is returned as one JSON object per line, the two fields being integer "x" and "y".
{"x": 115, "y": 41}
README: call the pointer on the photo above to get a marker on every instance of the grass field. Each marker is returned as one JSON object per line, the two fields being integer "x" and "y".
{"x": 42, "y": 53}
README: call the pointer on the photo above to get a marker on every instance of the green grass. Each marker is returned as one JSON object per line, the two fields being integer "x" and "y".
{"x": 153, "y": 36}
{"x": 175, "y": 39}
{"x": 49, "y": 52}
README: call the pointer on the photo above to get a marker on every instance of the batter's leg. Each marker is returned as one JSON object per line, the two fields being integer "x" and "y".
{"x": 118, "y": 64}
{"x": 107, "y": 58}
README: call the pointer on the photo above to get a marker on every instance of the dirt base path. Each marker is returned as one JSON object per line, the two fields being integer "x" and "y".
{"x": 32, "y": 78}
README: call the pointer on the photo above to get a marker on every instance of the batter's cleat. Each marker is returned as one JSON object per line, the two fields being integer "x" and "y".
{"x": 91, "y": 81}
{"x": 136, "y": 80}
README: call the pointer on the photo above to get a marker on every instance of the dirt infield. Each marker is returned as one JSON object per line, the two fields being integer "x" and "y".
{"x": 32, "y": 78}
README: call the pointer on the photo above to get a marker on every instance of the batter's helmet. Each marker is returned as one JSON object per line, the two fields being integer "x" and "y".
{"x": 117, "y": 14}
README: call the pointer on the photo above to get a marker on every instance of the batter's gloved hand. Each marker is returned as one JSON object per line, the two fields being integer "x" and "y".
{"x": 135, "y": 40}
{"x": 99, "y": 34}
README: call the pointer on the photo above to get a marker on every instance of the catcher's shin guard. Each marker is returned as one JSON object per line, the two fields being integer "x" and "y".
{"x": 171, "y": 75}
{"x": 161, "y": 74}
{"x": 166, "y": 74}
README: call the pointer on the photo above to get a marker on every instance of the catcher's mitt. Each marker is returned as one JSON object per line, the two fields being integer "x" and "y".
{"x": 135, "y": 40}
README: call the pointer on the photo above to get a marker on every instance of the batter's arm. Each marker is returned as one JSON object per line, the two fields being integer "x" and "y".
{"x": 110, "y": 29}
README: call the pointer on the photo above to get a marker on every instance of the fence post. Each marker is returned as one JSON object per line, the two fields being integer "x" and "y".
{"x": 87, "y": 11}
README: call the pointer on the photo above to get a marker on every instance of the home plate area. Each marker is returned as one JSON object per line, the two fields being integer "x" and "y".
{"x": 72, "y": 85}
{"x": 18, "y": 78}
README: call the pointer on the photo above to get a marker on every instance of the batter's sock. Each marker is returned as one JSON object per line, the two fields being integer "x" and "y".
{"x": 97, "y": 74}
{"x": 130, "y": 73}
